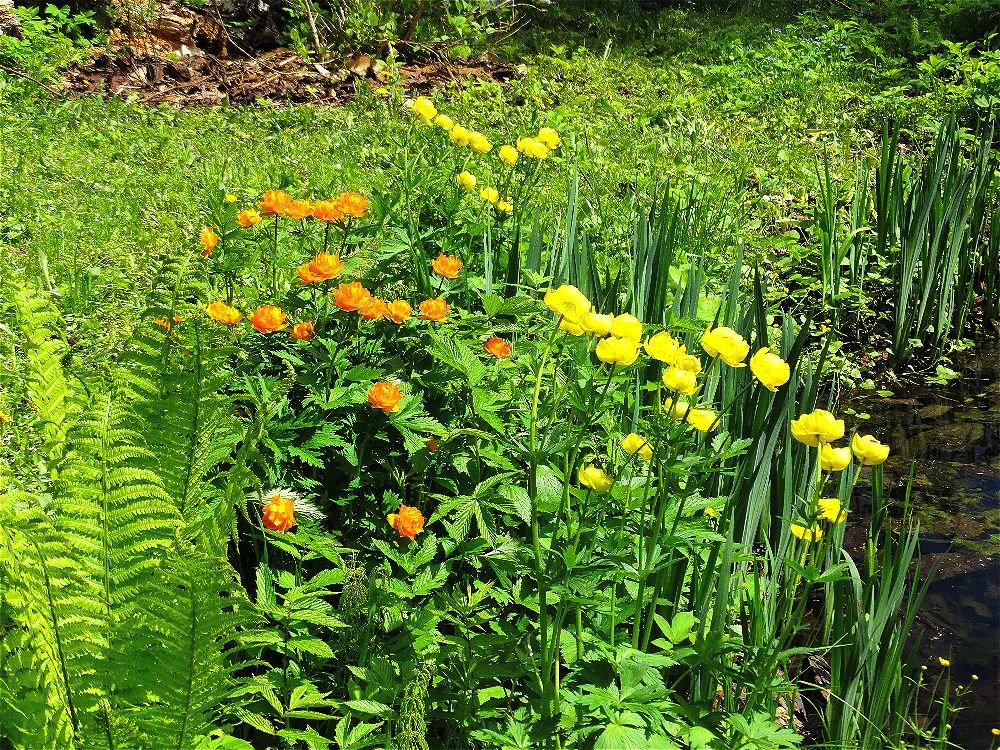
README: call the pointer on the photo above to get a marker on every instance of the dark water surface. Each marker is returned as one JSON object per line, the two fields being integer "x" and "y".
{"x": 952, "y": 436}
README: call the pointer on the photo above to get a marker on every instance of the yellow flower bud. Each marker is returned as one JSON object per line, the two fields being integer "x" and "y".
{"x": 770, "y": 369}
{"x": 617, "y": 351}
{"x": 726, "y": 344}
{"x": 680, "y": 381}
{"x": 594, "y": 478}
{"x": 834, "y": 459}
{"x": 831, "y": 510}
{"x": 702, "y": 420}
{"x": 869, "y": 450}
{"x": 490, "y": 195}
{"x": 549, "y": 137}
{"x": 508, "y": 155}
{"x": 810, "y": 535}
{"x": 627, "y": 327}
{"x": 444, "y": 122}
{"x": 466, "y": 180}
{"x": 819, "y": 426}
{"x": 424, "y": 109}
{"x": 479, "y": 143}
{"x": 597, "y": 324}
{"x": 664, "y": 347}
{"x": 568, "y": 302}
{"x": 634, "y": 444}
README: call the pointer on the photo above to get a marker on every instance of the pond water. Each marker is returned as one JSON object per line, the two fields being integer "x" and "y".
{"x": 952, "y": 436}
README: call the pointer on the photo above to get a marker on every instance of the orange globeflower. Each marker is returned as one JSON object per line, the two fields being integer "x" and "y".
{"x": 373, "y": 308}
{"x": 407, "y": 521}
{"x": 385, "y": 396}
{"x": 274, "y": 202}
{"x": 327, "y": 211}
{"x": 298, "y": 209}
{"x": 447, "y": 266}
{"x": 209, "y": 239}
{"x": 399, "y": 310}
{"x": 324, "y": 266}
{"x": 279, "y": 513}
{"x": 303, "y": 331}
{"x": 220, "y": 312}
{"x": 352, "y": 204}
{"x": 434, "y": 309}
{"x": 350, "y": 296}
{"x": 248, "y": 218}
{"x": 307, "y": 274}
{"x": 162, "y": 323}
{"x": 497, "y": 346}
{"x": 268, "y": 319}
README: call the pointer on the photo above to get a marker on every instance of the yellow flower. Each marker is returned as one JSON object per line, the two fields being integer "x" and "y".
{"x": 506, "y": 206}
{"x": 627, "y": 327}
{"x": 222, "y": 313}
{"x": 568, "y": 302}
{"x": 943, "y": 662}
{"x": 869, "y": 450}
{"x": 617, "y": 351}
{"x": 460, "y": 136}
{"x": 533, "y": 148}
{"x": 702, "y": 420}
{"x": 466, "y": 179}
{"x": 681, "y": 381}
{"x": 726, "y": 344}
{"x": 596, "y": 324}
{"x": 834, "y": 459}
{"x": 664, "y": 347}
{"x": 490, "y": 195}
{"x": 479, "y": 143}
{"x": 810, "y": 535}
{"x": 248, "y": 218}
{"x": 711, "y": 512}
{"x": 594, "y": 478}
{"x": 689, "y": 362}
{"x": 424, "y": 109}
{"x": 549, "y": 137}
{"x": 209, "y": 239}
{"x": 819, "y": 426}
{"x": 677, "y": 408}
{"x": 508, "y": 155}
{"x": 770, "y": 369}
{"x": 570, "y": 327}
{"x": 230, "y": 198}
{"x": 831, "y": 510}
{"x": 634, "y": 444}
{"x": 444, "y": 122}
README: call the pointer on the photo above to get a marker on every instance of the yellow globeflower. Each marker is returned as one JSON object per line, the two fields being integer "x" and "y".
{"x": 831, "y": 510}
{"x": 689, "y": 362}
{"x": 444, "y": 122}
{"x": 627, "y": 327}
{"x": 810, "y": 535}
{"x": 533, "y": 148}
{"x": 508, "y": 155}
{"x": 617, "y": 351}
{"x": 597, "y": 324}
{"x": 944, "y": 662}
{"x": 549, "y": 137}
{"x": 568, "y": 302}
{"x": 680, "y": 380}
{"x": 637, "y": 445}
{"x": 460, "y": 136}
{"x": 834, "y": 459}
{"x": 869, "y": 450}
{"x": 506, "y": 206}
{"x": 466, "y": 179}
{"x": 594, "y": 478}
{"x": 702, "y": 420}
{"x": 490, "y": 195}
{"x": 424, "y": 109}
{"x": 677, "y": 409}
{"x": 664, "y": 347}
{"x": 770, "y": 369}
{"x": 819, "y": 426}
{"x": 479, "y": 143}
{"x": 725, "y": 344}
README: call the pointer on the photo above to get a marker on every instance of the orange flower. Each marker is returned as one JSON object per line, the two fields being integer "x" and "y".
{"x": 303, "y": 331}
{"x": 268, "y": 319}
{"x": 162, "y": 323}
{"x": 274, "y": 202}
{"x": 209, "y": 239}
{"x": 447, "y": 266}
{"x": 350, "y": 296}
{"x": 385, "y": 396}
{"x": 220, "y": 312}
{"x": 352, "y": 204}
{"x": 399, "y": 310}
{"x": 248, "y": 218}
{"x": 373, "y": 308}
{"x": 178, "y": 318}
{"x": 321, "y": 268}
{"x": 298, "y": 209}
{"x": 407, "y": 521}
{"x": 306, "y": 273}
{"x": 434, "y": 309}
{"x": 327, "y": 211}
{"x": 279, "y": 513}
{"x": 497, "y": 346}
